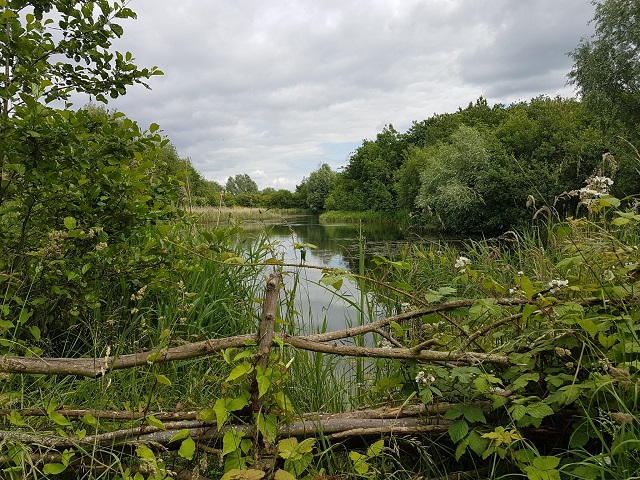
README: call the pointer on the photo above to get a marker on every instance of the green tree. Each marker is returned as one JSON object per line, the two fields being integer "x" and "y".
{"x": 241, "y": 184}
{"x": 81, "y": 211}
{"x": 319, "y": 185}
{"x": 606, "y": 69}
{"x": 454, "y": 188}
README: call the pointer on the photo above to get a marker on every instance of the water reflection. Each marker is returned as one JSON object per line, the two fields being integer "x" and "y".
{"x": 316, "y": 306}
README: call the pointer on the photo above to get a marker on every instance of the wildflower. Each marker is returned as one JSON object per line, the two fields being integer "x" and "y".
{"x": 134, "y": 311}
{"x": 101, "y": 246}
{"x": 608, "y": 276}
{"x": 597, "y": 187}
{"x": 556, "y": 285}
{"x": 607, "y": 460}
{"x": 424, "y": 379}
{"x": 562, "y": 352}
{"x": 139, "y": 294}
{"x": 461, "y": 263}
{"x": 520, "y": 273}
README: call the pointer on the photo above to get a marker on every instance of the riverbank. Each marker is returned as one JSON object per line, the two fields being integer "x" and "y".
{"x": 338, "y": 216}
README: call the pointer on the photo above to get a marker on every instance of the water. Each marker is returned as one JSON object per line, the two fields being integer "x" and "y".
{"x": 317, "y": 306}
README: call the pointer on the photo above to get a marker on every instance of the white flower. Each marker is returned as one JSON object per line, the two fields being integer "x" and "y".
{"x": 521, "y": 273}
{"x": 555, "y": 285}
{"x": 461, "y": 262}
{"x": 596, "y": 187}
{"x": 424, "y": 379}
{"x": 608, "y": 276}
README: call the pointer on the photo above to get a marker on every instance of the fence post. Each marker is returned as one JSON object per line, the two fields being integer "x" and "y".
{"x": 266, "y": 333}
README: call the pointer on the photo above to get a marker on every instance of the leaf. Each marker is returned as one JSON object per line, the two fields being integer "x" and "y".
{"x": 240, "y": 371}
{"x": 54, "y": 468}
{"x": 518, "y": 411}
{"x": 163, "y": 380}
{"x": 458, "y": 430}
{"x": 359, "y": 462}
{"x": 263, "y": 384}
{"x": 231, "y": 441}
{"x": 287, "y": 448}
{"x": 89, "y": 420}
{"x": 268, "y": 426}
{"x": 187, "y": 448}
{"x": 546, "y": 463}
{"x": 154, "y": 127}
{"x": 70, "y": 223}
{"x": 374, "y": 449}
{"x": 16, "y": 419}
{"x": 283, "y": 475}
{"x": 477, "y": 443}
{"x": 539, "y": 410}
{"x": 154, "y": 422}
{"x": 244, "y": 474}
{"x": 59, "y": 419}
{"x": 181, "y": 435}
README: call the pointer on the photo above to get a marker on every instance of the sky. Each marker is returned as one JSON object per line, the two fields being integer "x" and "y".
{"x": 275, "y": 88}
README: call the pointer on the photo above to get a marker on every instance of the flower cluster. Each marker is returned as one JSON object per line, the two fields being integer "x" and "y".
{"x": 597, "y": 187}
{"x": 424, "y": 379}
{"x": 139, "y": 294}
{"x": 461, "y": 263}
{"x": 556, "y": 285}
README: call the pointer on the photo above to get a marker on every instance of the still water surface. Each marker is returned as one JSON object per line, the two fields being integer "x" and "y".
{"x": 318, "y": 306}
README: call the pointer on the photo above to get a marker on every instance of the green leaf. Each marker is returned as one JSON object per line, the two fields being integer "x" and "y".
{"x": 263, "y": 384}
{"x": 154, "y": 127}
{"x": 243, "y": 474}
{"x": 90, "y": 420}
{"x": 59, "y": 419}
{"x": 477, "y": 443}
{"x": 546, "y": 463}
{"x": 231, "y": 441}
{"x": 240, "y": 371}
{"x": 163, "y": 380}
{"x": 539, "y": 410}
{"x": 54, "y": 468}
{"x": 458, "y": 430}
{"x": 360, "y": 464}
{"x": 268, "y": 426}
{"x": 181, "y": 435}
{"x": 187, "y": 448}
{"x": 374, "y": 449}
{"x": 70, "y": 223}
{"x": 283, "y": 475}
{"x": 16, "y": 419}
{"x": 288, "y": 448}
{"x": 154, "y": 422}
{"x": 35, "y": 332}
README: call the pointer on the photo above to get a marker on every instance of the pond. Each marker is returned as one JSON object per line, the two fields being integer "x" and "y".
{"x": 317, "y": 306}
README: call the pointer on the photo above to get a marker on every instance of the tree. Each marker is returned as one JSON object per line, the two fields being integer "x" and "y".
{"x": 53, "y": 48}
{"x": 241, "y": 184}
{"x": 319, "y": 185}
{"x": 606, "y": 71}
{"x": 82, "y": 205}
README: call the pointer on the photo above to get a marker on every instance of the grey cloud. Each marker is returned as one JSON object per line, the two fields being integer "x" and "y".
{"x": 283, "y": 86}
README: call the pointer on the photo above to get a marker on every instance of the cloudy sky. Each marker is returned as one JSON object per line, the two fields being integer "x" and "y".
{"x": 274, "y": 88}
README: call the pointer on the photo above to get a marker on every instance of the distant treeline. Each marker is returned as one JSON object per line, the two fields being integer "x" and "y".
{"x": 481, "y": 169}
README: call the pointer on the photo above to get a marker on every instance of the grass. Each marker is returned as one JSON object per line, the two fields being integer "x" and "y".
{"x": 336, "y": 216}
{"x": 212, "y": 298}
{"x": 221, "y": 216}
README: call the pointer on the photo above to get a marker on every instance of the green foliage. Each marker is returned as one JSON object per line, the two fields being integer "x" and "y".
{"x": 317, "y": 187}
{"x": 241, "y": 184}
{"x": 606, "y": 66}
